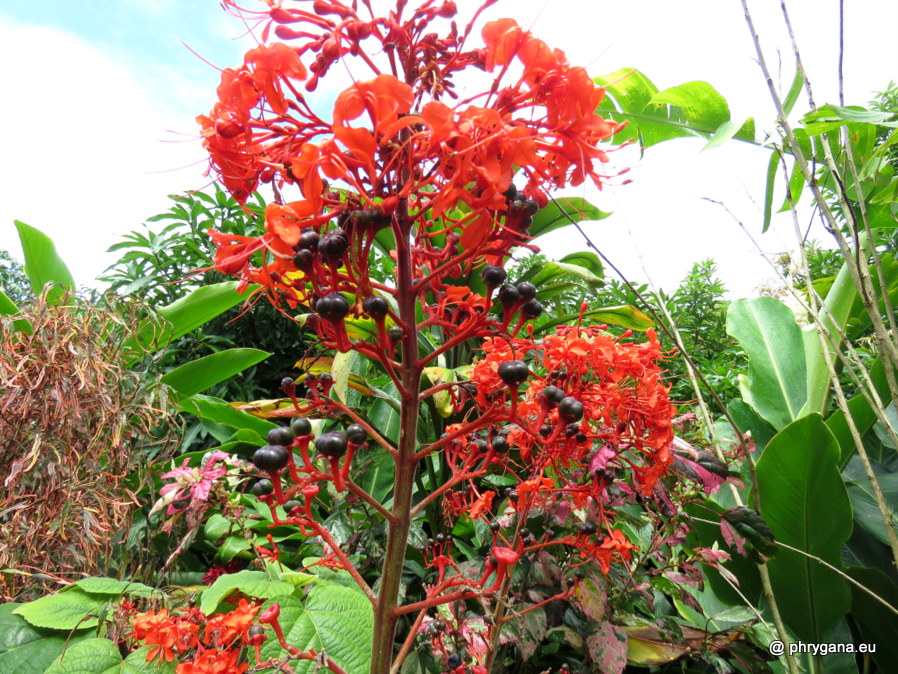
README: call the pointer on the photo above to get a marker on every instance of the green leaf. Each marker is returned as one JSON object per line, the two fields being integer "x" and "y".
{"x": 251, "y": 583}
{"x": 805, "y": 503}
{"x": 562, "y": 212}
{"x": 724, "y": 133}
{"x": 42, "y": 263}
{"x": 185, "y": 315}
{"x": 624, "y": 315}
{"x": 202, "y": 373}
{"x": 215, "y": 410}
{"x": 336, "y": 620}
{"x": 9, "y": 308}
{"x": 116, "y": 587}
{"x": 91, "y": 656}
{"x": 878, "y": 625}
{"x": 865, "y": 508}
{"x": 587, "y": 260}
{"x": 772, "y": 166}
{"x": 341, "y": 371}
{"x": 861, "y": 411}
{"x": 70, "y": 610}
{"x": 232, "y": 546}
{"x": 794, "y": 92}
{"x": 777, "y": 374}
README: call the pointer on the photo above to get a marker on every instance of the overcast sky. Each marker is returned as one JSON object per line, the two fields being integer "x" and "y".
{"x": 100, "y": 98}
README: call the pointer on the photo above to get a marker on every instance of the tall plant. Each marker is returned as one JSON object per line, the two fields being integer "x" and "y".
{"x": 442, "y": 190}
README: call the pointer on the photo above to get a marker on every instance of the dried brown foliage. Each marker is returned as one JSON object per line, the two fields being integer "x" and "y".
{"x": 76, "y": 430}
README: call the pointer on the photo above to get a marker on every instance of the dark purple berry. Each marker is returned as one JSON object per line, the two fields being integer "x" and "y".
{"x": 532, "y": 308}
{"x": 301, "y": 426}
{"x": 526, "y": 290}
{"x": 263, "y": 487}
{"x": 500, "y": 445}
{"x": 513, "y": 372}
{"x": 571, "y": 408}
{"x": 356, "y": 433}
{"x": 270, "y": 457}
{"x": 332, "y": 307}
{"x": 331, "y": 444}
{"x": 493, "y": 276}
{"x": 308, "y": 239}
{"x": 376, "y": 307}
{"x": 552, "y": 394}
{"x": 280, "y": 436}
{"x": 304, "y": 260}
{"x": 508, "y": 295}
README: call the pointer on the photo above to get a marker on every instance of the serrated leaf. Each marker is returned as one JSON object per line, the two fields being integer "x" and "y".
{"x": 70, "y": 610}
{"x": 91, "y": 656}
{"x": 336, "y": 620}
{"x": 116, "y": 587}
{"x": 251, "y": 583}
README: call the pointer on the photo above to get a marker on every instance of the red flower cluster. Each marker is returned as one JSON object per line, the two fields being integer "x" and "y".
{"x": 393, "y": 140}
{"x": 214, "y": 641}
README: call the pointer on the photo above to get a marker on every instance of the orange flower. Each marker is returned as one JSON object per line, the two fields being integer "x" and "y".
{"x": 228, "y": 627}
{"x": 212, "y": 661}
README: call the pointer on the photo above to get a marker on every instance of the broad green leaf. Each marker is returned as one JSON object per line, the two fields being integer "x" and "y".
{"x": 91, "y": 656}
{"x": 378, "y": 471}
{"x": 233, "y": 546}
{"x": 183, "y": 316}
{"x": 749, "y": 421}
{"x": 777, "y": 373}
{"x": 220, "y": 412}
{"x": 9, "y": 308}
{"x": 804, "y": 501}
{"x": 624, "y": 315}
{"x": 878, "y": 625}
{"x": 42, "y": 263}
{"x": 200, "y": 307}
{"x": 251, "y": 583}
{"x": 863, "y": 415}
{"x": 835, "y": 313}
{"x": 198, "y": 375}
{"x": 116, "y": 587}
{"x": 336, "y": 620}
{"x": 864, "y": 506}
{"x": 70, "y": 610}
{"x": 587, "y": 260}
{"x": 562, "y": 212}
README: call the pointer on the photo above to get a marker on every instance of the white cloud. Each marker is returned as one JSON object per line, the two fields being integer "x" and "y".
{"x": 85, "y": 157}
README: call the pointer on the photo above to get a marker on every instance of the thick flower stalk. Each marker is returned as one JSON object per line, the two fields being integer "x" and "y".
{"x": 443, "y": 182}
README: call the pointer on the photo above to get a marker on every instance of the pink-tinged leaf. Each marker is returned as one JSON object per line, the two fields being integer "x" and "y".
{"x": 680, "y": 578}
{"x": 601, "y": 459}
{"x": 592, "y": 598}
{"x": 608, "y": 649}
{"x": 531, "y": 630}
{"x": 731, "y": 537}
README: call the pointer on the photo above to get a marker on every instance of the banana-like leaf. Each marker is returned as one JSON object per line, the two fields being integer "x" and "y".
{"x": 776, "y": 386}
{"x": 43, "y": 264}
{"x": 804, "y": 501}
{"x": 202, "y": 373}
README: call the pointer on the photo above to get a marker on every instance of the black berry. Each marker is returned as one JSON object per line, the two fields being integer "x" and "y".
{"x": 571, "y": 408}
{"x": 500, "y": 445}
{"x": 532, "y": 308}
{"x": 280, "y": 436}
{"x": 375, "y": 306}
{"x": 493, "y": 276}
{"x": 304, "y": 260}
{"x": 263, "y": 487}
{"x": 526, "y": 290}
{"x": 301, "y": 426}
{"x": 508, "y": 295}
{"x": 356, "y": 433}
{"x": 332, "y": 307}
{"x": 270, "y": 457}
{"x": 331, "y": 444}
{"x": 513, "y": 372}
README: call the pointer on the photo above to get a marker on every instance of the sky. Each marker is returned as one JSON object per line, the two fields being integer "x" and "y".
{"x": 101, "y": 95}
